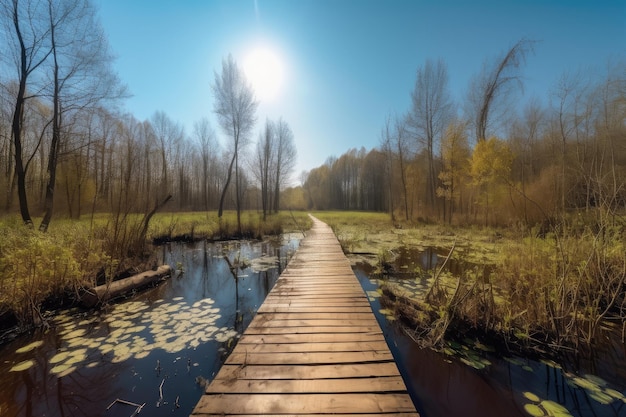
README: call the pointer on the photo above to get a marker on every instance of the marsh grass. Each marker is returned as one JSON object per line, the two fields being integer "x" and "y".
{"x": 206, "y": 225}
{"x": 36, "y": 268}
{"x": 533, "y": 289}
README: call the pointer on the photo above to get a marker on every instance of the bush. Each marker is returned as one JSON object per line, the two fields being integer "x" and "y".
{"x": 37, "y": 265}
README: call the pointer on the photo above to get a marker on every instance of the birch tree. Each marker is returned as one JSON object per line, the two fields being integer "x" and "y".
{"x": 205, "y": 138}
{"x": 286, "y": 154}
{"x": 235, "y": 106}
{"x": 431, "y": 109}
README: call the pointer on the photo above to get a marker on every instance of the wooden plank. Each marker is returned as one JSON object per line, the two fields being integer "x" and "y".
{"x": 379, "y": 346}
{"x": 304, "y": 403}
{"x": 336, "y": 371}
{"x": 311, "y": 309}
{"x": 320, "y": 329}
{"x": 302, "y": 358}
{"x": 320, "y": 294}
{"x": 329, "y": 302}
{"x": 313, "y": 348}
{"x": 371, "y": 322}
{"x": 306, "y": 316}
{"x": 311, "y": 337}
{"x": 279, "y": 386}
{"x": 413, "y": 414}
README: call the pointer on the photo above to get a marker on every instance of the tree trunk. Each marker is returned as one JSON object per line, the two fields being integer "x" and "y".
{"x": 53, "y": 157}
{"x": 228, "y": 178}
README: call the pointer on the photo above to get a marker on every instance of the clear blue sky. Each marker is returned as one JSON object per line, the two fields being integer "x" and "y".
{"x": 348, "y": 64}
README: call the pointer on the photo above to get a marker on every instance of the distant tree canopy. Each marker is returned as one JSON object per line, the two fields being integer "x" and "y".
{"x": 66, "y": 148}
{"x": 539, "y": 162}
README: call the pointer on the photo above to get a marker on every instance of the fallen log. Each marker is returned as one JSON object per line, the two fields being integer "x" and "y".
{"x": 105, "y": 292}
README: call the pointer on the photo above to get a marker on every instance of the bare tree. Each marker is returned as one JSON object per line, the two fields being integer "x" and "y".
{"x": 81, "y": 75}
{"x": 569, "y": 95}
{"x": 286, "y": 155}
{"x": 30, "y": 49}
{"x": 431, "y": 109}
{"x": 495, "y": 84}
{"x": 205, "y": 137}
{"x": 524, "y": 136}
{"x": 235, "y": 107}
{"x": 167, "y": 133}
{"x": 396, "y": 142}
{"x": 265, "y": 161}
{"x": 387, "y": 148}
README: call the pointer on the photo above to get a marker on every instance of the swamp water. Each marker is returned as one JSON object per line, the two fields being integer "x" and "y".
{"x": 158, "y": 348}
{"x": 471, "y": 379}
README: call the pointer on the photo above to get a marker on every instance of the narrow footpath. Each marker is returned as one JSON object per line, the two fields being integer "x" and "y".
{"x": 314, "y": 347}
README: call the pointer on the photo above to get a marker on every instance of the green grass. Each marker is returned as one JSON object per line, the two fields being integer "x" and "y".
{"x": 39, "y": 266}
{"x": 208, "y": 225}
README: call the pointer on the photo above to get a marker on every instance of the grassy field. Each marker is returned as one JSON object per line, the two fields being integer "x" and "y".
{"x": 534, "y": 290}
{"x": 559, "y": 288}
{"x": 50, "y": 267}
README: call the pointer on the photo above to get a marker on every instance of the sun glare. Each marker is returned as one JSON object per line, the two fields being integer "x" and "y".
{"x": 264, "y": 71}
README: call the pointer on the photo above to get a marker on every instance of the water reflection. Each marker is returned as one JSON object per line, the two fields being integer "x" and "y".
{"x": 472, "y": 379}
{"x": 172, "y": 337}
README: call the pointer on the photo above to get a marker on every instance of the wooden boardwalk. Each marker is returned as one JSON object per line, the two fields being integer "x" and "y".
{"x": 314, "y": 347}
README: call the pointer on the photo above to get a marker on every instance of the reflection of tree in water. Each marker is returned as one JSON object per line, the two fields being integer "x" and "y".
{"x": 236, "y": 264}
{"x": 37, "y": 392}
{"x": 175, "y": 317}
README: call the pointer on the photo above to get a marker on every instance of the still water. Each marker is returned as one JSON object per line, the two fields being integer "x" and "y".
{"x": 472, "y": 379}
{"x": 157, "y": 348}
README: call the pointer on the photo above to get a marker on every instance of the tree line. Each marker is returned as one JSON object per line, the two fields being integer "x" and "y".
{"x": 66, "y": 148}
{"x": 490, "y": 160}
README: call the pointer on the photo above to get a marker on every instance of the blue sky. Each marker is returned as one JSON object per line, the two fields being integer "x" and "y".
{"x": 348, "y": 64}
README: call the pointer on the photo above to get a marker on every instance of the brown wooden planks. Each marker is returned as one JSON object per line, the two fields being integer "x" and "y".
{"x": 261, "y": 404}
{"x": 313, "y": 348}
{"x": 378, "y": 345}
{"x": 329, "y": 372}
{"x": 277, "y": 386}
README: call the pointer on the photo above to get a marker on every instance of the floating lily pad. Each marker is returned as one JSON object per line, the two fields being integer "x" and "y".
{"x": 553, "y": 407}
{"x": 532, "y": 397}
{"x": 22, "y": 366}
{"x": 29, "y": 347}
{"x": 534, "y": 410}
{"x": 483, "y": 347}
{"x": 60, "y": 368}
{"x": 66, "y": 372}
{"x": 59, "y": 357}
{"x": 585, "y": 384}
{"x": 75, "y": 333}
{"x": 142, "y": 354}
{"x": 614, "y": 393}
{"x": 514, "y": 361}
{"x": 596, "y": 380}
{"x": 601, "y": 397}
{"x": 551, "y": 363}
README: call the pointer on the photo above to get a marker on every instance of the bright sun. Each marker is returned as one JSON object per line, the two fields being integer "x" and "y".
{"x": 264, "y": 71}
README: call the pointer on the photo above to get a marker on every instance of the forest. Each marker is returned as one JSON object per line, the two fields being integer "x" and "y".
{"x": 69, "y": 151}
{"x": 545, "y": 166}
{"x": 494, "y": 160}
{"x": 66, "y": 147}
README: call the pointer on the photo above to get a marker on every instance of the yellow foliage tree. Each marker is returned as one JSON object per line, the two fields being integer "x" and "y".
{"x": 490, "y": 169}
{"x": 455, "y": 154}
